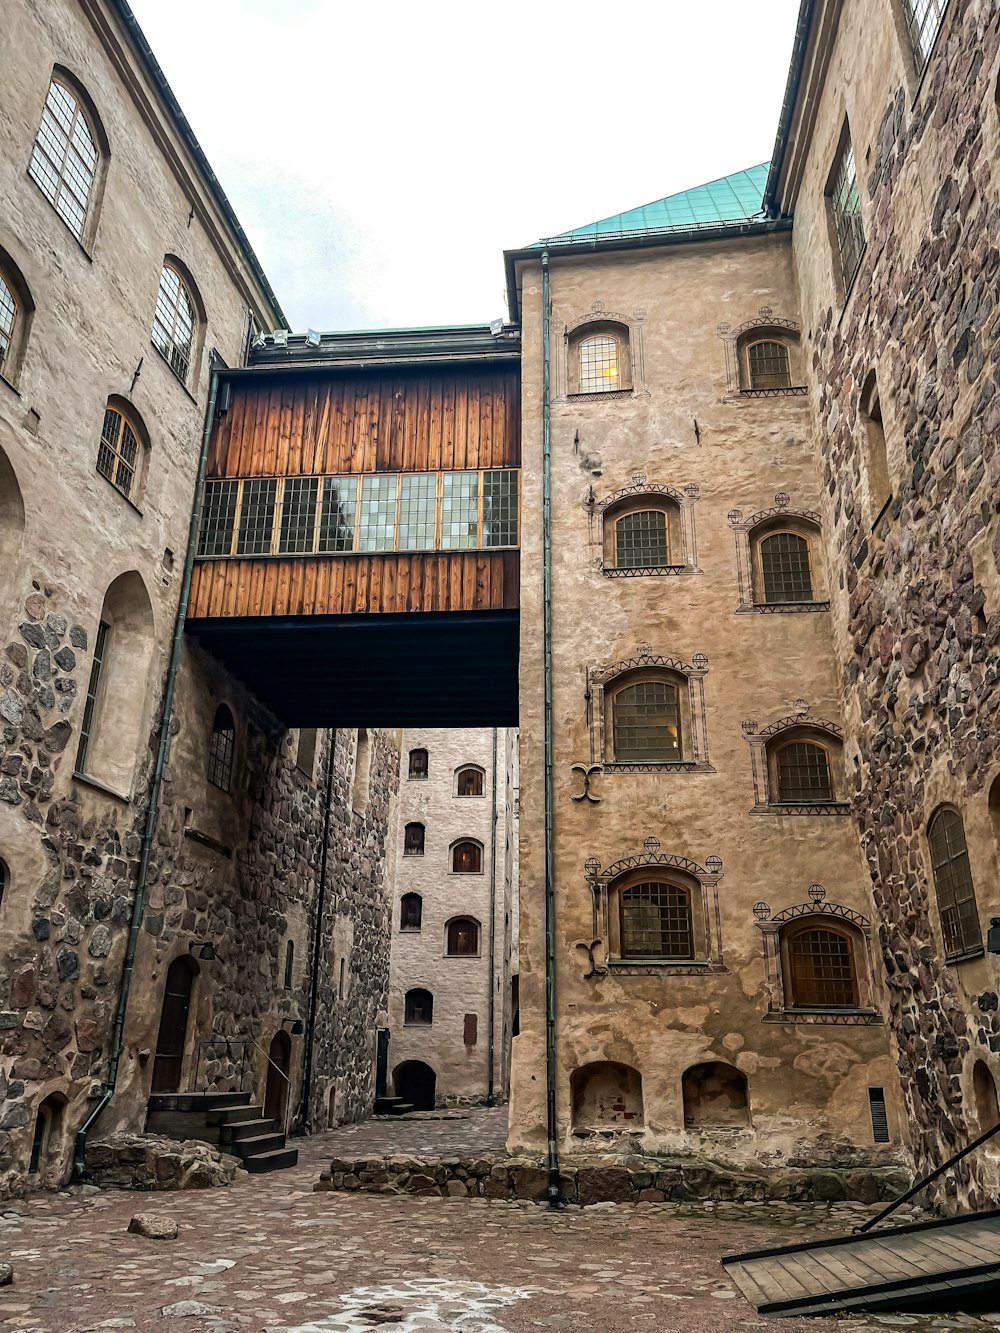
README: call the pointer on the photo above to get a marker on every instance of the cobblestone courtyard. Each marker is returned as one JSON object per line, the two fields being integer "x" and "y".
{"x": 270, "y": 1254}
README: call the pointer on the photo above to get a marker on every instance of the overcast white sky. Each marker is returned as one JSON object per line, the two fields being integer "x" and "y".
{"x": 382, "y": 154}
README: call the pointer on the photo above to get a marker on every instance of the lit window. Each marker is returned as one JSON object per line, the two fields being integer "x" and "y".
{"x": 768, "y": 365}
{"x": 463, "y": 936}
{"x": 642, "y": 540}
{"x": 646, "y": 723}
{"x": 93, "y": 689}
{"x": 845, "y": 201}
{"x": 221, "y": 749}
{"x": 418, "y": 764}
{"x": 821, "y": 970}
{"x": 599, "y": 364}
{"x": 802, "y": 772}
{"x": 64, "y": 158}
{"x": 785, "y": 568}
{"x": 467, "y": 858}
{"x": 173, "y": 322}
{"x": 656, "y": 922}
{"x": 923, "y": 18}
{"x": 956, "y": 893}
{"x": 118, "y": 451}
{"x": 8, "y": 321}
{"x": 418, "y": 1007}
{"x": 470, "y": 782}
{"x": 411, "y": 908}
{"x": 413, "y": 840}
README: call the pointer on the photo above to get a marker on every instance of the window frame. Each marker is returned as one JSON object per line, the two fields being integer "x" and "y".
{"x": 625, "y": 954}
{"x": 407, "y": 900}
{"x": 965, "y": 947}
{"x": 598, "y": 326}
{"x": 747, "y": 376}
{"x": 454, "y": 924}
{"x": 604, "y": 683}
{"x": 129, "y": 419}
{"x": 221, "y": 763}
{"x": 415, "y": 775}
{"x": 94, "y": 697}
{"x": 414, "y": 846}
{"x": 453, "y": 851}
{"x": 757, "y": 540}
{"x": 10, "y": 336}
{"x": 633, "y": 681}
{"x": 84, "y": 111}
{"x": 811, "y": 925}
{"x": 465, "y": 770}
{"x": 916, "y": 30}
{"x": 848, "y": 234}
{"x": 409, "y": 1007}
{"x": 171, "y": 352}
{"x": 774, "y": 753}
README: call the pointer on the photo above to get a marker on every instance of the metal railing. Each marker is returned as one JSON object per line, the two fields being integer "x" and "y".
{"x": 288, "y": 1082}
{"x": 227, "y": 1045}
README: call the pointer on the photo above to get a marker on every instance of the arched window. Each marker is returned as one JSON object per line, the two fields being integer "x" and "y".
{"x": 606, "y": 1095}
{"x": 174, "y": 322}
{"x": 418, "y": 1008}
{"x": 642, "y": 540}
{"x": 411, "y": 910}
{"x": 463, "y": 936}
{"x": 418, "y": 764}
{"x": 467, "y": 858}
{"x": 413, "y": 840}
{"x": 821, "y": 972}
{"x": 985, "y": 1090}
{"x": 469, "y": 781}
{"x": 16, "y": 310}
{"x": 65, "y": 158}
{"x": 119, "y": 453}
{"x": 114, "y": 711}
{"x": 956, "y": 893}
{"x": 801, "y": 773}
{"x": 221, "y": 749}
{"x": 362, "y": 772}
{"x": 655, "y": 921}
{"x": 876, "y": 452}
{"x": 716, "y": 1096}
{"x": 4, "y": 880}
{"x": 766, "y": 364}
{"x": 599, "y": 358}
{"x": 646, "y": 722}
{"x": 9, "y": 309}
{"x": 289, "y": 963}
{"x": 783, "y": 568}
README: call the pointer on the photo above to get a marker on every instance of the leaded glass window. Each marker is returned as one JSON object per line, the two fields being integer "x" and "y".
{"x": 656, "y": 922}
{"x": 821, "y": 970}
{"x": 642, "y": 540}
{"x": 93, "y": 689}
{"x": 298, "y": 516}
{"x": 64, "y": 158}
{"x": 600, "y": 371}
{"x": 459, "y": 511}
{"x": 768, "y": 366}
{"x": 417, "y": 504}
{"x": 500, "y": 508}
{"x": 221, "y": 749}
{"x": 802, "y": 771}
{"x": 218, "y": 516}
{"x": 956, "y": 892}
{"x": 845, "y": 200}
{"x": 8, "y": 321}
{"x": 923, "y": 18}
{"x": 647, "y": 723}
{"x": 118, "y": 451}
{"x": 377, "y": 513}
{"x": 336, "y": 520}
{"x": 256, "y": 529}
{"x": 173, "y": 322}
{"x": 785, "y": 570}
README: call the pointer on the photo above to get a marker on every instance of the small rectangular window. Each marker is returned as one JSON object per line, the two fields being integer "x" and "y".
{"x": 217, "y": 518}
{"x": 845, "y": 202}
{"x": 257, "y": 517}
{"x": 93, "y": 686}
{"x": 470, "y": 1030}
{"x": 880, "y": 1123}
{"x": 459, "y": 511}
{"x": 298, "y": 516}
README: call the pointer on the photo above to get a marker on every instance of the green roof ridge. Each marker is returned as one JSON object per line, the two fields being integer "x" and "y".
{"x": 734, "y": 198}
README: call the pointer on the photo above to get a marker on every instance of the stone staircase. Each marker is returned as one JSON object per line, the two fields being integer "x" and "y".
{"x": 227, "y": 1120}
{"x": 391, "y": 1106}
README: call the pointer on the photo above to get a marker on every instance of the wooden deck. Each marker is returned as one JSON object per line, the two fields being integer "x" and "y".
{"x": 928, "y": 1265}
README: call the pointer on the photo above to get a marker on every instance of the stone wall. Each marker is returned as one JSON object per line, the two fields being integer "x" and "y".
{"x": 916, "y": 608}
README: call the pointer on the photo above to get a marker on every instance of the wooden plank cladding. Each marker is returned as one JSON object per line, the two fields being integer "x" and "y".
{"x": 433, "y": 419}
{"x": 389, "y": 583}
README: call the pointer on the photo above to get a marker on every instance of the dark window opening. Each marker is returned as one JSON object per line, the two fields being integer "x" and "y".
{"x": 821, "y": 970}
{"x": 413, "y": 840}
{"x": 221, "y": 749}
{"x": 467, "y": 858}
{"x": 463, "y": 936}
{"x": 418, "y": 1008}
{"x": 411, "y": 908}
{"x": 418, "y": 764}
{"x": 656, "y": 922}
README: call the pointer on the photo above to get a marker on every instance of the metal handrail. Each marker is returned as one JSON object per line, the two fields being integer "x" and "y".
{"x": 288, "y": 1099}
{"x": 926, "y": 1180}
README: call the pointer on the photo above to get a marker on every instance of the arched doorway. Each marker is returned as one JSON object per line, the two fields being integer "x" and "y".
{"x": 172, "y": 1036}
{"x": 415, "y": 1082}
{"x": 278, "y": 1065}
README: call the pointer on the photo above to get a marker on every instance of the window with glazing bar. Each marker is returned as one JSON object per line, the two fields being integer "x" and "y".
{"x": 375, "y": 512}
{"x": 93, "y": 687}
{"x": 118, "y": 451}
{"x": 956, "y": 892}
{"x": 923, "y": 19}
{"x": 64, "y": 159}
{"x": 845, "y": 203}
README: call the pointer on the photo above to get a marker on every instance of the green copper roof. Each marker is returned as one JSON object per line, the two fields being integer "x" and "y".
{"x": 734, "y": 198}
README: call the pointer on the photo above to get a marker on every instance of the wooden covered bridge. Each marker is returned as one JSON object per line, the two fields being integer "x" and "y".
{"x": 358, "y": 561}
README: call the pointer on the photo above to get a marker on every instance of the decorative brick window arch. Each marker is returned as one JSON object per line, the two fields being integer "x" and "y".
{"x": 848, "y": 969}
{"x": 601, "y": 323}
{"x": 797, "y": 526}
{"x": 604, "y": 952}
{"x": 768, "y": 743}
{"x": 744, "y": 378}
{"x": 679, "y": 538}
{"x": 688, "y": 681}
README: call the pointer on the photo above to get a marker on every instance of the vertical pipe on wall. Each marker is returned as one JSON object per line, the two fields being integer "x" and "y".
{"x": 549, "y": 798}
{"x": 304, "y": 1123}
{"x": 155, "y": 789}
{"x": 491, "y": 982}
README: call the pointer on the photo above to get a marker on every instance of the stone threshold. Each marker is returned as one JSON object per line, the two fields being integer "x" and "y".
{"x": 637, "y": 1180}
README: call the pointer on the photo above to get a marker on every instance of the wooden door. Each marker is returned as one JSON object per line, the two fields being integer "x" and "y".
{"x": 278, "y": 1066}
{"x": 172, "y": 1036}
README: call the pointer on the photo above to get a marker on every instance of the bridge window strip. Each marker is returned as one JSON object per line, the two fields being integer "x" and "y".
{"x": 375, "y": 512}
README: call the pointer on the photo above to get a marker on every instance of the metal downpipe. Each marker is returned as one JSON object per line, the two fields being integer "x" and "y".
{"x": 491, "y": 984}
{"x": 155, "y": 790}
{"x": 304, "y": 1123}
{"x": 549, "y": 799}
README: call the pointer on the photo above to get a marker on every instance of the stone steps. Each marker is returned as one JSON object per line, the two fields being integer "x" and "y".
{"x": 272, "y": 1161}
{"x": 391, "y": 1106}
{"x": 228, "y": 1120}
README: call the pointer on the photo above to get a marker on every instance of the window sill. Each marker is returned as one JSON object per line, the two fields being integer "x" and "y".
{"x": 780, "y": 608}
{"x": 664, "y": 766}
{"x": 409, "y": 930}
{"x": 651, "y": 967}
{"x": 803, "y": 808}
{"x": 412, "y": 1024}
{"x": 463, "y": 957}
{"x": 416, "y": 777}
{"x": 97, "y": 785}
{"x": 406, "y": 853}
{"x": 603, "y": 396}
{"x": 641, "y": 571}
{"x": 789, "y": 391}
{"x": 119, "y": 492}
{"x": 465, "y": 874}
{"x": 831, "y": 1017}
{"x": 173, "y": 373}
{"x": 10, "y": 385}
{"x": 459, "y": 796}
{"x": 966, "y": 955}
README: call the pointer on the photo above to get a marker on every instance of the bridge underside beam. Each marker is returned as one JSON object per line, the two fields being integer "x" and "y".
{"x": 431, "y": 669}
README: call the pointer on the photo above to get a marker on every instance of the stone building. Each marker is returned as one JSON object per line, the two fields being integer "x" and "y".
{"x": 158, "y": 902}
{"x": 453, "y": 972}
